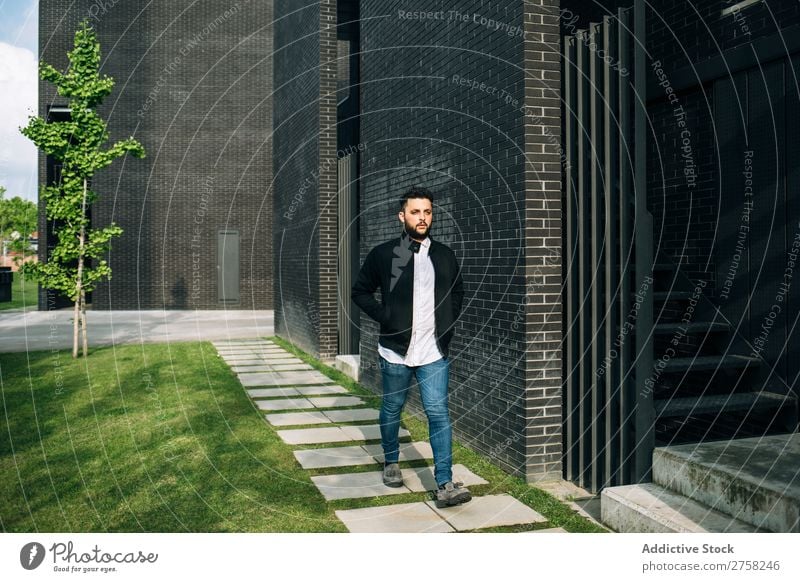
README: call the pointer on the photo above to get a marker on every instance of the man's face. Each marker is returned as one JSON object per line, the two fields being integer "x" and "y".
{"x": 417, "y": 217}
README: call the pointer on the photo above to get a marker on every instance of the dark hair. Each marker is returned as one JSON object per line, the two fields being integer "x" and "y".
{"x": 415, "y": 192}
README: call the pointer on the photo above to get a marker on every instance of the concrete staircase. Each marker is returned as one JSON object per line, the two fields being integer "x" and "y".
{"x": 707, "y": 386}
{"x": 739, "y": 485}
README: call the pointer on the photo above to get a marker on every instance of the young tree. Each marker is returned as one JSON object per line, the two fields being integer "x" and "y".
{"x": 79, "y": 144}
{"x": 16, "y": 215}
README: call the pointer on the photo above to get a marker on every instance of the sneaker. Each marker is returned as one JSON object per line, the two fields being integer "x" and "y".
{"x": 452, "y": 494}
{"x": 392, "y": 477}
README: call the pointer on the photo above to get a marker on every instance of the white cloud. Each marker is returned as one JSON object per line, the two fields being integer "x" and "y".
{"x": 18, "y": 100}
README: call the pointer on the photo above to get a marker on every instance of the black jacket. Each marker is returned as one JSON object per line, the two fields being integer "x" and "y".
{"x": 390, "y": 267}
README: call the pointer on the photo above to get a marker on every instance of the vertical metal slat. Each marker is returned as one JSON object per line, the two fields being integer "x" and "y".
{"x": 624, "y": 375}
{"x": 645, "y": 436}
{"x": 611, "y": 307}
{"x": 584, "y": 265}
{"x": 572, "y": 380}
{"x": 597, "y": 251}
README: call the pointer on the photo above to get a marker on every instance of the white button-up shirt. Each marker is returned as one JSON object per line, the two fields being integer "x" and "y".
{"x": 422, "y": 349}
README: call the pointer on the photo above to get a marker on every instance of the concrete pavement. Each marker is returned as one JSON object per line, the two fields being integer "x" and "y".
{"x": 22, "y": 331}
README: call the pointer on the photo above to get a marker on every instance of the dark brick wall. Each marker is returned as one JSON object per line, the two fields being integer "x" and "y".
{"x": 468, "y": 144}
{"x": 194, "y": 86}
{"x": 296, "y": 167}
{"x": 305, "y": 163}
{"x": 543, "y": 241}
{"x": 681, "y": 34}
{"x": 328, "y": 182}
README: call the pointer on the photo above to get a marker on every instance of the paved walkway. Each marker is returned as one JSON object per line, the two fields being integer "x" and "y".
{"x": 22, "y": 331}
{"x": 340, "y": 433}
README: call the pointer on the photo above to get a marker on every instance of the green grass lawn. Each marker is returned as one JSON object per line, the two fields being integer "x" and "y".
{"x": 23, "y": 294}
{"x": 163, "y": 438}
{"x": 157, "y": 438}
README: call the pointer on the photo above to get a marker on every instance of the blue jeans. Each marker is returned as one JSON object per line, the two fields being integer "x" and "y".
{"x": 433, "y": 379}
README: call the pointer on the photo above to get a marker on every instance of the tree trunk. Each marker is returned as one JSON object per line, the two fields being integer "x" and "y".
{"x": 80, "y": 309}
{"x": 83, "y": 322}
{"x": 75, "y": 319}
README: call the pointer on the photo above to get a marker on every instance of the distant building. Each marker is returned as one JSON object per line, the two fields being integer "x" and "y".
{"x": 193, "y": 85}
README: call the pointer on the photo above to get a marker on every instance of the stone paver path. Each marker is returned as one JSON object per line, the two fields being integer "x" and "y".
{"x": 359, "y": 455}
{"x": 333, "y": 434}
{"x": 297, "y": 418}
{"x": 370, "y": 484}
{"x": 419, "y": 517}
{"x": 399, "y": 518}
{"x": 298, "y": 399}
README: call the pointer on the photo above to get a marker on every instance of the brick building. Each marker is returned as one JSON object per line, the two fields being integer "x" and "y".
{"x": 194, "y": 86}
{"x": 539, "y": 147}
{"x": 587, "y": 160}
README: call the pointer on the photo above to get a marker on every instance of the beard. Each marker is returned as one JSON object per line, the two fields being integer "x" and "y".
{"x": 414, "y": 233}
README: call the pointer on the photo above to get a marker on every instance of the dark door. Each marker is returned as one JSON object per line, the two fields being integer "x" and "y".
{"x": 228, "y": 267}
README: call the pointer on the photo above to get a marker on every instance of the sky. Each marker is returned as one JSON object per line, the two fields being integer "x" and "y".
{"x": 19, "y": 33}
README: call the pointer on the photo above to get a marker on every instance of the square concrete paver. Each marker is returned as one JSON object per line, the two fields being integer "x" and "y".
{"x": 272, "y": 354}
{"x": 233, "y": 358}
{"x": 237, "y": 344}
{"x": 296, "y": 418}
{"x": 334, "y": 434}
{"x": 368, "y": 432}
{"x": 262, "y": 362}
{"x": 277, "y": 359}
{"x": 232, "y": 352}
{"x": 312, "y": 436}
{"x": 284, "y": 404}
{"x": 282, "y": 392}
{"x": 284, "y": 378}
{"x": 354, "y": 485}
{"x": 488, "y": 511}
{"x": 408, "y": 451}
{"x": 325, "y": 389}
{"x": 284, "y": 367}
{"x": 333, "y": 457}
{"x": 421, "y": 478}
{"x": 260, "y": 367}
{"x": 335, "y": 401}
{"x": 401, "y": 518}
{"x": 236, "y": 358}
{"x": 353, "y": 415}
{"x": 251, "y": 350}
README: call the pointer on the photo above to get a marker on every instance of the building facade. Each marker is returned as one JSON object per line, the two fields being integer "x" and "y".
{"x": 194, "y": 86}
{"x": 617, "y": 180}
{"x": 552, "y": 143}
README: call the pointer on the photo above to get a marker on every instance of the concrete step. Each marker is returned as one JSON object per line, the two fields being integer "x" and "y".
{"x": 706, "y": 363}
{"x": 695, "y": 327}
{"x": 671, "y": 295}
{"x": 349, "y": 364}
{"x": 650, "y": 508}
{"x": 721, "y": 403}
{"x": 753, "y": 479}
